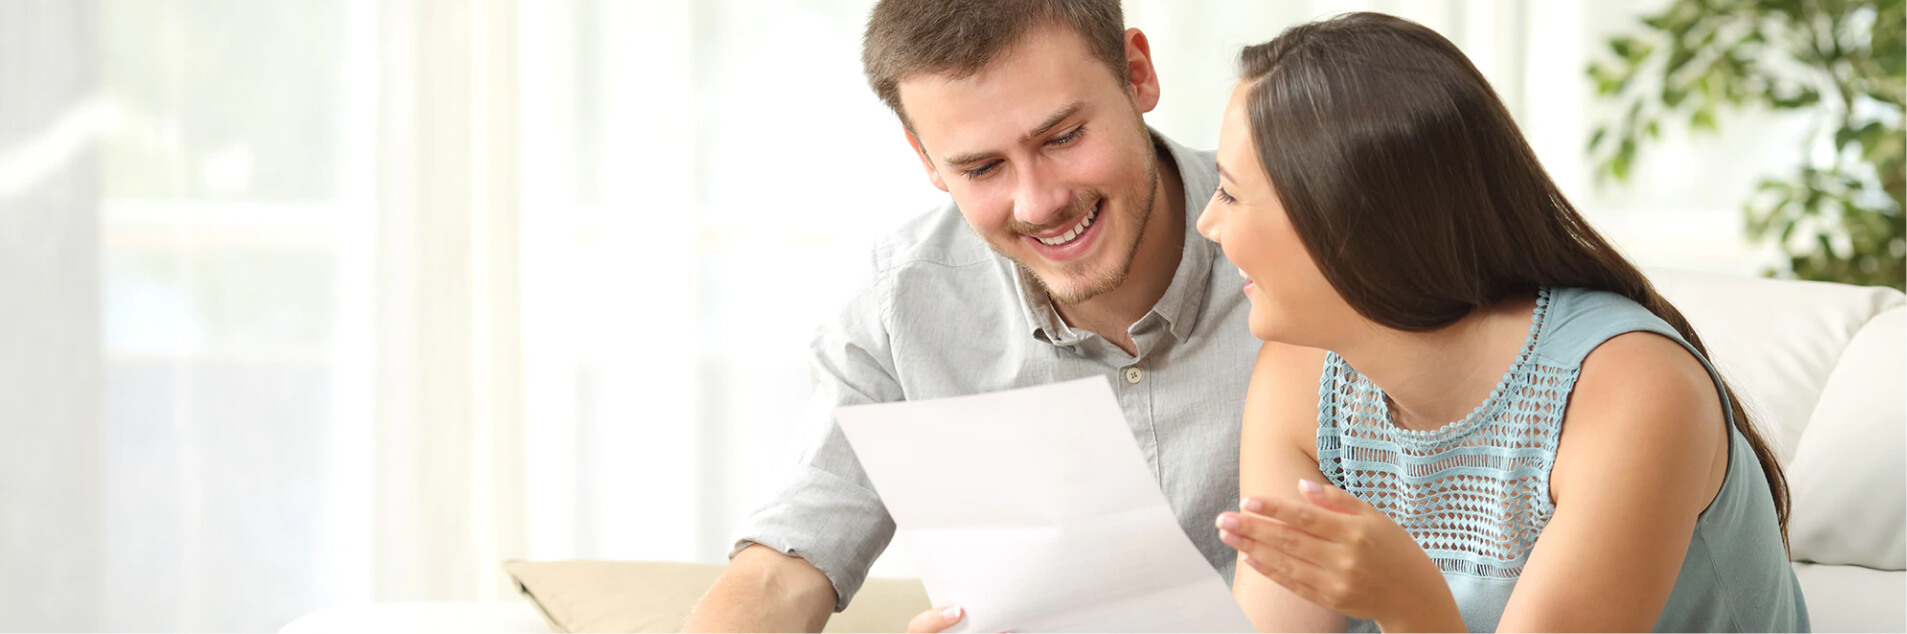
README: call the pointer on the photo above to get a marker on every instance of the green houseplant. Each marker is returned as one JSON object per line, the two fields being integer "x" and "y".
{"x": 1838, "y": 215}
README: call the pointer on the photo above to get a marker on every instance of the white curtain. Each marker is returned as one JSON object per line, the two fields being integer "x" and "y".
{"x": 51, "y": 369}
{"x": 309, "y": 302}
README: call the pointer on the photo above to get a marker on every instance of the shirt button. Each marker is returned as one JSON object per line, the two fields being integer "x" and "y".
{"x": 1133, "y": 375}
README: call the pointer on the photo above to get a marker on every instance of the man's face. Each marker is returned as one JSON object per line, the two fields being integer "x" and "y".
{"x": 1047, "y": 157}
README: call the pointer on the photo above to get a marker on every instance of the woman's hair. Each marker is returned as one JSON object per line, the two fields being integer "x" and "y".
{"x": 1415, "y": 193}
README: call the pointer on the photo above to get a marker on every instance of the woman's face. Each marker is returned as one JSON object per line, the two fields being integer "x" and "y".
{"x": 1290, "y": 300}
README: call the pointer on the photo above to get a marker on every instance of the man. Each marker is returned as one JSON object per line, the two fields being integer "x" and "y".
{"x": 1066, "y": 253}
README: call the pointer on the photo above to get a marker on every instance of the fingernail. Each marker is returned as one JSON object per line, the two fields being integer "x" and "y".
{"x": 1228, "y": 522}
{"x": 1308, "y": 486}
{"x": 1251, "y": 563}
{"x": 1251, "y": 505}
{"x": 1227, "y": 536}
{"x": 952, "y": 613}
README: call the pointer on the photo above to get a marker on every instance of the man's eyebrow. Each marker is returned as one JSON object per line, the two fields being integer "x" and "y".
{"x": 1055, "y": 119}
{"x": 1059, "y": 115}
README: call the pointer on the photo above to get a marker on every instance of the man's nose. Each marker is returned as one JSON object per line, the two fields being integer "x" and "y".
{"x": 1040, "y": 200}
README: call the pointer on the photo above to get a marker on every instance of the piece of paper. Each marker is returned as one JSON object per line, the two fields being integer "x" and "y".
{"x": 1033, "y": 510}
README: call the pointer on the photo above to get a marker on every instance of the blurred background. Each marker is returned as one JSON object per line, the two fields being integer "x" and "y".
{"x": 310, "y": 302}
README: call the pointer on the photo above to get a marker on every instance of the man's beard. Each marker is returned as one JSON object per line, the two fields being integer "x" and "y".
{"x": 1121, "y": 268}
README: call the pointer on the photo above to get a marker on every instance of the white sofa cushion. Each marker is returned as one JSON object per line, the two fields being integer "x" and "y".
{"x": 1850, "y": 495}
{"x": 1852, "y": 598}
{"x": 1820, "y": 369}
{"x": 1775, "y": 341}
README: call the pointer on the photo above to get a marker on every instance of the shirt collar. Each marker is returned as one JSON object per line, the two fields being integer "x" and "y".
{"x": 1184, "y": 297}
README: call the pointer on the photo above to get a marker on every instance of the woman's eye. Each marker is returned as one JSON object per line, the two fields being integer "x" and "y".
{"x": 1225, "y": 197}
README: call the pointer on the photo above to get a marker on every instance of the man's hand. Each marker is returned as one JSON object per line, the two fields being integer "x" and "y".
{"x": 765, "y": 591}
{"x": 936, "y": 619}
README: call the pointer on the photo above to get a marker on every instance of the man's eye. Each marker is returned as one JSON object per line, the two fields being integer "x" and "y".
{"x": 982, "y": 170}
{"x": 1068, "y": 137}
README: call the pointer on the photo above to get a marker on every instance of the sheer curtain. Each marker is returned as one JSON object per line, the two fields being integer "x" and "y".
{"x": 313, "y": 302}
{"x": 262, "y": 339}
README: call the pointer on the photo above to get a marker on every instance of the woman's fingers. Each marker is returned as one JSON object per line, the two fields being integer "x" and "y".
{"x": 1330, "y": 497}
{"x": 1301, "y": 514}
{"x": 1277, "y": 535}
{"x": 1301, "y": 577}
{"x": 936, "y": 619}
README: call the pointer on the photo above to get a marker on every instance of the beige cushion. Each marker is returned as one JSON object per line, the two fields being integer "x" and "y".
{"x": 627, "y": 596}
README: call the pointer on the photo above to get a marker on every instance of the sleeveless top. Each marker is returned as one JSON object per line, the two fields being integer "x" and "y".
{"x": 1475, "y": 493}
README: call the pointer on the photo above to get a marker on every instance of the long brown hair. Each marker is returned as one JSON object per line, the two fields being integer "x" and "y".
{"x": 1418, "y": 198}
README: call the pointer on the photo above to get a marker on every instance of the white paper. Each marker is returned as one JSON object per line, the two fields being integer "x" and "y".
{"x": 1033, "y": 510}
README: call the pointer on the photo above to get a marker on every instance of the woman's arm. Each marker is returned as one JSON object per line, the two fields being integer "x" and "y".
{"x": 1643, "y": 451}
{"x": 1277, "y": 447}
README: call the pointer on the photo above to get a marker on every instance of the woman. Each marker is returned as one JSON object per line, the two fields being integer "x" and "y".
{"x": 1470, "y": 412}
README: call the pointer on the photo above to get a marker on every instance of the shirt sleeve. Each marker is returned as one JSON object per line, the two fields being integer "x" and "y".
{"x": 826, "y": 511}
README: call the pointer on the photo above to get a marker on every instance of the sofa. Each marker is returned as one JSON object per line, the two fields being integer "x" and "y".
{"x": 1823, "y": 367}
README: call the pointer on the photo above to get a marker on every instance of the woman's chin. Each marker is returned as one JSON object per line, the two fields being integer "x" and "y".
{"x": 1260, "y": 326}
{"x": 1269, "y": 325}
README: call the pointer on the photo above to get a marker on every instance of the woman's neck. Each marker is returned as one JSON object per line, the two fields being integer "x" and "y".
{"x": 1434, "y": 378}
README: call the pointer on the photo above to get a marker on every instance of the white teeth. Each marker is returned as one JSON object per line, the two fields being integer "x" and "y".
{"x": 1241, "y": 273}
{"x": 1074, "y": 232}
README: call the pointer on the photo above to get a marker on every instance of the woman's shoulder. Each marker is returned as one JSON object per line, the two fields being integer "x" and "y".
{"x": 1580, "y": 320}
{"x": 1621, "y": 352}
{"x": 1282, "y": 400}
{"x": 1641, "y": 366}
{"x": 1644, "y": 397}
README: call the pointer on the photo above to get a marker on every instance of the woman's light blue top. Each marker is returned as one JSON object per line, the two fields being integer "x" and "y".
{"x": 1475, "y": 493}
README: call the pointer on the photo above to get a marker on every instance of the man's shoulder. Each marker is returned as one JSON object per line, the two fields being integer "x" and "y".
{"x": 938, "y": 238}
{"x": 930, "y": 267}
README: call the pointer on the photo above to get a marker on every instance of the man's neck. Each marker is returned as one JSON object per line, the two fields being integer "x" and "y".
{"x": 1154, "y": 262}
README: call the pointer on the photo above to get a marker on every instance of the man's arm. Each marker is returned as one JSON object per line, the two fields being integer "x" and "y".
{"x": 764, "y": 591}
{"x": 806, "y": 550}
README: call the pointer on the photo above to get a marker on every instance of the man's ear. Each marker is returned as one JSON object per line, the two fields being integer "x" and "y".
{"x": 933, "y": 175}
{"x": 1139, "y": 71}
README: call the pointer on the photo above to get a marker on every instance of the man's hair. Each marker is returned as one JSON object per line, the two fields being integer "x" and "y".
{"x": 960, "y": 37}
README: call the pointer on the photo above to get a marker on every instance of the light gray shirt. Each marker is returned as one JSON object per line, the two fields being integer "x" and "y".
{"x": 945, "y": 316}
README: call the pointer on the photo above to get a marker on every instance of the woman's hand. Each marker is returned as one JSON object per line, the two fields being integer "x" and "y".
{"x": 1342, "y": 554}
{"x": 935, "y": 619}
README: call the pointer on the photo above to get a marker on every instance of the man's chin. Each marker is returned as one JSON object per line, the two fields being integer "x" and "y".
{"x": 1070, "y": 283}
{"x": 1077, "y": 288}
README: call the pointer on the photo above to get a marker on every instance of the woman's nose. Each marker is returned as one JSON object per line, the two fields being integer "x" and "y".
{"x": 1208, "y": 221}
